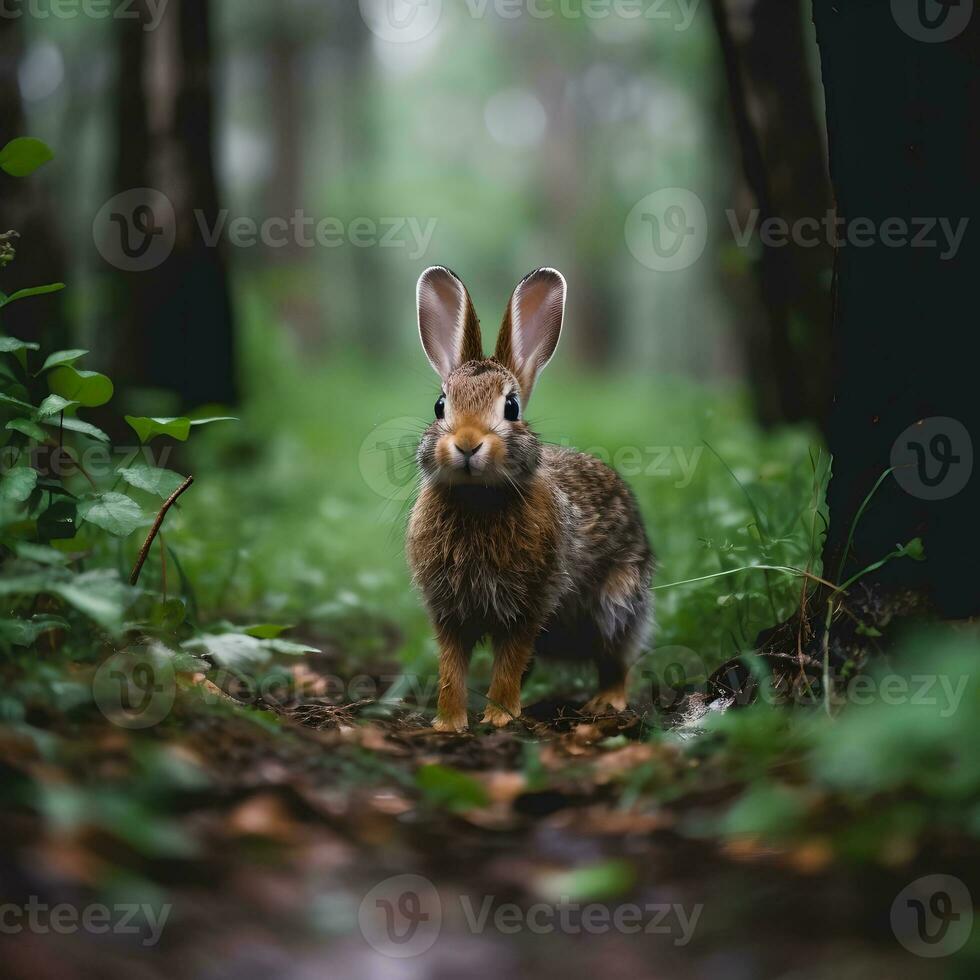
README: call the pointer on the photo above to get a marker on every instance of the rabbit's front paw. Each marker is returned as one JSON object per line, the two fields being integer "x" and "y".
{"x": 500, "y": 717}
{"x": 454, "y": 723}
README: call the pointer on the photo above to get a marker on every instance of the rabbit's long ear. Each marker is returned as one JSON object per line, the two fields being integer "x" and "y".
{"x": 448, "y": 324}
{"x": 532, "y": 326}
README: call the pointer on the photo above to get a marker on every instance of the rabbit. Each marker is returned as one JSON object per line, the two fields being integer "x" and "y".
{"x": 540, "y": 548}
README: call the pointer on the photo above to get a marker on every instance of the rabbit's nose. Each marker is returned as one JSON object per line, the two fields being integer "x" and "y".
{"x": 467, "y": 453}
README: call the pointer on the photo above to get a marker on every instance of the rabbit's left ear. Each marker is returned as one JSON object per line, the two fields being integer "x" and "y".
{"x": 448, "y": 325}
{"x": 532, "y": 326}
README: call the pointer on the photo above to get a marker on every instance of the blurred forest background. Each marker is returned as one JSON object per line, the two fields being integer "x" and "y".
{"x": 491, "y": 144}
{"x": 511, "y": 142}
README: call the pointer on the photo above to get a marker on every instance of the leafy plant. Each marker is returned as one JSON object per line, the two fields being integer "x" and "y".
{"x": 62, "y": 522}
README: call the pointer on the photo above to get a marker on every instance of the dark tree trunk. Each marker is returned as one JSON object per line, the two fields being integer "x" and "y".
{"x": 25, "y": 207}
{"x": 778, "y": 136}
{"x": 203, "y": 354}
{"x": 132, "y": 297}
{"x": 903, "y": 119}
{"x": 178, "y": 327}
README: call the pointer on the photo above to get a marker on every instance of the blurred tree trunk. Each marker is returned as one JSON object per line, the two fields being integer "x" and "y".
{"x": 284, "y": 193}
{"x": 177, "y": 325}
{"x": 777, "y": 131}
{"x": 903, "y": 119}
{"x": 361, "y": 152}
{"x": 202, "y": 298}
{"x": 132, "y": 298}
{"x": 25, "y": 207}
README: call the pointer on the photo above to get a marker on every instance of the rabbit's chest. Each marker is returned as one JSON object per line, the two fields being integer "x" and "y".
{"x": 486, "y": 567}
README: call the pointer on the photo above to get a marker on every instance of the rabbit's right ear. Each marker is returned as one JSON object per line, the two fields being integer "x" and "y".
{"x": 448, "y": 324}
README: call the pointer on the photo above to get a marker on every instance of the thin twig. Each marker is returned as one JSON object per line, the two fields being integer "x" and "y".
{"x": 145, "y": 550}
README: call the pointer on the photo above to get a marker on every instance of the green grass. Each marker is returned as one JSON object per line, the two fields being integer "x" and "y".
{"x": 298, "y": 512}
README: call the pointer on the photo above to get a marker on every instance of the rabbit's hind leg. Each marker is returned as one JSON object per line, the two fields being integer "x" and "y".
{"x": 622, "y": 618}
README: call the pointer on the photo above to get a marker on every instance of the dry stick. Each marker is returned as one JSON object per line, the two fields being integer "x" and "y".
{"x": 163, "y": 566}
{"x": 145, "y": 550}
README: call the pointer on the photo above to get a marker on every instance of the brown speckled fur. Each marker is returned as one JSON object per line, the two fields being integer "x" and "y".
{"x": 544, "y": 550}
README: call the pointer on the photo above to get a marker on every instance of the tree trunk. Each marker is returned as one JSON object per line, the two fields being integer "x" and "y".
{"x": 775, "y": 122}
{"x": 25, "y": 207}
{"x": 178, "y": 329}
{"x": 903, "y": 119}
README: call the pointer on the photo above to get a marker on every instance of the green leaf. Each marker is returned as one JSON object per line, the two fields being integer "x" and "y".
{"x": 17, "y": 403}
{"x": 22, "y": 156}
{"x": 593, "y": 882}
{"x": 214, "y": 418}
{"x": 18, "y": 484}
{"x": 98, "y": 594}
{"x": 40, "y": 553}
{"x": 113, "y": 512}
{"x": 51, "y": 287}
{"x": 52, "y": 405}
{"x": 234, "y": 650}
{"x": 9, "y": 345}
{"x": 266, "y": 631}
{"x": 289, "y": 648}
{"x": 77, "y": 425}
{"x": 89, "y": 388}
{"x": 60, "y": 357}
{"x": 176, "y": 428}
{"x": 147, "y": 428}
{"x": 153, "y": 479}
{"x": 913, "y": 550}
{"x": 28, "y": 428}
{"x": 24, "y": 632}
{"x": 450, "y": 788}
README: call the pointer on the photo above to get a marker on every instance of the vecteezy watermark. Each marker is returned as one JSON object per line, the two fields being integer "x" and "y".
{"x": 386, "y": 458}
{"x": 663, "y": 677}
{"x": 932, "y": 21}
{"x": 304, "y": 231}
{"x": 933, "y": 916}
{"x": 95, "y": 460}
{"x": 402, "y": 917}
{"x": 65, "y": 919}
{"x": 679, "y": 13}
{"x": 90, "y": 9}
{"x": 401, "y": 21}
{"x": 933, "y": 458}
{"x": 679, "y": 463}
{"x": 832, "y": 229}
{"x": 667, "y": 230}
{"x": 136, "y": 231}
{"x": 135, "y": 688}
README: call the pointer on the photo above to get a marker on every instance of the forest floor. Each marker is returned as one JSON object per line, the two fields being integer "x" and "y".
{"x": 273, "y": 839}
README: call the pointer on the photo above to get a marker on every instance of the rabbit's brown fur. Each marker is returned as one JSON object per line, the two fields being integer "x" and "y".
{"x": 541, "y": 549}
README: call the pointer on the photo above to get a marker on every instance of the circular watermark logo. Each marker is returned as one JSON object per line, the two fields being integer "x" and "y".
{"x": 667, "y": 230}
{"x": 386, "y": 458}
{"x": 401, "y": 916}
{"x": 933, "y": 916}
{"x": 135, "y": 231}
{"x": 933, "y": 458}
{"x": 932, "y": 21}
{"x": 135, "y": 688}
{"x": 401, "y": 21}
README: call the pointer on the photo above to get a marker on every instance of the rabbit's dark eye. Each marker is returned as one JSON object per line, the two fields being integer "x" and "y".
{"x": 441, "y": 407}
{"x": 512, "y": 408}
